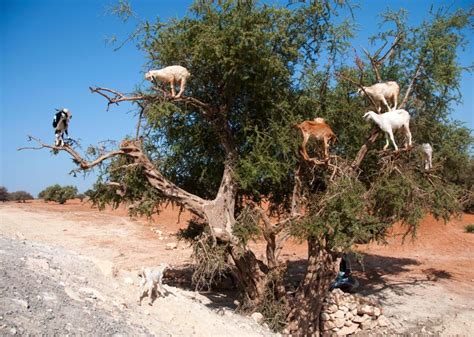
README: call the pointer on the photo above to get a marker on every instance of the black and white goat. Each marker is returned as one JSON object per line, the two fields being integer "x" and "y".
{"x": 60, "y": 124}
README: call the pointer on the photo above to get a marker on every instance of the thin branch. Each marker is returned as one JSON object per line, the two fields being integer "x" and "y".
{"x": 412, "y": 82}
{"x": 117, "y": 96}
{"x": 358, "y": 84}
{"x": 373, "y": 62}
{"x": 84, "y": 164}
{"x": 363, "y": 150}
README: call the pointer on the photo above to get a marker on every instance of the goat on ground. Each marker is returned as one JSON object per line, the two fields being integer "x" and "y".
{"x": 151, "y": 282}
{"x": 171, "y": 75}
{"x": 390, "y": 121}
{"x": 318, "y": 129}
{"x": 60, "y": 124}
{"x": 382, "y": 93}
{"x": 427, "y": 155}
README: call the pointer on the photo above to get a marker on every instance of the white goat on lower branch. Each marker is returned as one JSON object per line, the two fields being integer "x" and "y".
{"x": 171, "y": 75}
{"x": 390, "y": 121}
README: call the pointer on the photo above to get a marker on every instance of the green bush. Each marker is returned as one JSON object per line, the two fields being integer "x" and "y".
{"x": 4, "y": 195}
{"x": 469, "y": 228}
{"x": 20, "y": 196}
{"x": 58, "y": 193}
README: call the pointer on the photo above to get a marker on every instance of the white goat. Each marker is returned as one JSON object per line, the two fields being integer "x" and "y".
{"x": 151, "y": 282}
{"x": 171, "y": 75}
{"x": 60, "y": 124}
{"x": 427, "y": 155}
{"x": 390, "y": 121}
{"x": 381, "y": 93}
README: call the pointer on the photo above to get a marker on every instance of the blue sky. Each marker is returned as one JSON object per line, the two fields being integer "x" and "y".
{"x": 51, "y": 51}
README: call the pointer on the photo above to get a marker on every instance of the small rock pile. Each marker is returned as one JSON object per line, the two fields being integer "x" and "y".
{"x": 345, "y": 314}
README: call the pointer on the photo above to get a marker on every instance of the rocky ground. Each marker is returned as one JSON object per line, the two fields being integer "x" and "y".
{"x": 71, "y": 270}
{"x": 50, "y": 291}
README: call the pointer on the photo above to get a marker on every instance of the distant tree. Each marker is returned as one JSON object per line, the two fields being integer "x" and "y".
{"x": 20, "y": 196}
{"x": 58, "y": 193}
{"x": 81, "y": 196}
{"x": 3, "y": 194}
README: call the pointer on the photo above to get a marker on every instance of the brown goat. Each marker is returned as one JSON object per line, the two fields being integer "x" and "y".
{"x": 318, "y": 129}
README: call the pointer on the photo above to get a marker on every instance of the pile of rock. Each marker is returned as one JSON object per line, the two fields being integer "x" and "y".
{"x": 345, "y": 314}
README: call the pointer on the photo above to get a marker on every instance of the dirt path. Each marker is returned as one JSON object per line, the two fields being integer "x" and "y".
{"x": 49, "y": 288}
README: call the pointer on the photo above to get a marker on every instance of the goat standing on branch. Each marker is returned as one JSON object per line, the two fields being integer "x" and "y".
{"x": 427, "y": 151}
{"x": 318, "y": 129}
{"x": 381, "y": 94}
{"x": 171, "y": 75}
{"x": 390, "y": 121}
{"x": 60, "y": 124}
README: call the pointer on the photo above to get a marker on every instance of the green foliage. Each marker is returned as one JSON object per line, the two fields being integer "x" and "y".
{"x": 58, "y": 193}
{"x": 247, "y": 226}
{"x": 20, "y": 196}
{"x": 129, "y": 186}
{"x": 469, "y": 228}
{"x": 194, "y": 229}
{"x": 81, "y": 196}
{"x": 340, "y": 214}
{"x": 4, "y": 195}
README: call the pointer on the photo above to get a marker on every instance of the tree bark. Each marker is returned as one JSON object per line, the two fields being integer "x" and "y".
{"x": 252, "y": 275}
{"x": 306, "y": 308}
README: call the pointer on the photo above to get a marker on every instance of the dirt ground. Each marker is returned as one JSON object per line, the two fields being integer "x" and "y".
{"x": 77, "y": 264}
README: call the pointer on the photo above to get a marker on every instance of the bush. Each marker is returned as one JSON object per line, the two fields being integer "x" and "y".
{"x": 469, "y": 228}
{"x": 20, "y": 196}
{"x": 4, "y": 195}
{"x": 81, "y": 196}
{"x": 58, "y": 193}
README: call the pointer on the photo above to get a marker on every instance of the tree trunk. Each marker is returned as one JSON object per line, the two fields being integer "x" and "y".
{"x": 251, "y": 274}
{"x": 306, "y": 308}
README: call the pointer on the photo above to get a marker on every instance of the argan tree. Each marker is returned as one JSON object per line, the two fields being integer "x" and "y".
{"x": 4, "y": 195}
{"x": 20, "y": 196}
{"x": 58, "y": 193}
{"x": 227, "y": 151}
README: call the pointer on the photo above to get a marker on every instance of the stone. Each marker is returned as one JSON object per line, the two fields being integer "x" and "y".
{"x": 344, "y": 308}
{"x": 383, "y": 321}
{"x": 339, "y": 322}
{"x": 354, "y": 311}
{"x": 22, "y": 303}
{"x": 257, "y": 317}
{"x": 128, "y": 280}
{"x": 328, "y": 325}
{"x": 367, "y": 325}
{"x": 347, "y": 330}
{"x": 349, "y": 316}
{"x": 325, "y": 316}
{"x": 348, "y": 323}
{"x": 339, "y": 314}
{"x": 377, "y": 311}
{"x": 331, "y": 309}
{"x": 360, "y": 319}
{"x": 365, "y": 310}
{"x": 171, "y": 246}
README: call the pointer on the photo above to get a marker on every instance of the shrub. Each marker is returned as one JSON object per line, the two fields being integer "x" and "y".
{"x": 20, "y": 196}
{"x": 58, "y": 193}
{"x": 469, "y": 228}
{"x": 4, "y": 195}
